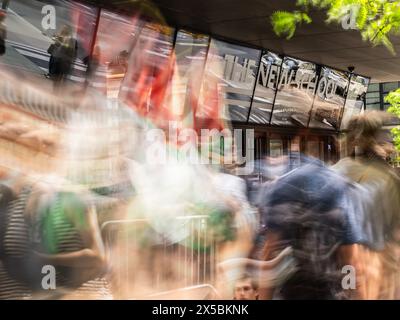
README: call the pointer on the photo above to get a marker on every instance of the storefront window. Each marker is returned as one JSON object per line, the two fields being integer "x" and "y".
{"x": 264, "y": 94}
{"x": 329, "y": 99}
{"x": 296, "y": 88}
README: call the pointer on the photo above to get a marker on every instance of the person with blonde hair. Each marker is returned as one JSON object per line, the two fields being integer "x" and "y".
{"x": 376, "y": 200}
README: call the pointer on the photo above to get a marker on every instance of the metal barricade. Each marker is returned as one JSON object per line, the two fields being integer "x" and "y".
{"x": 167, "y": 261}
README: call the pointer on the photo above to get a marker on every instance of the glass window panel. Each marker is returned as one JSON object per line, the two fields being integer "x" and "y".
{"x": 373, "y": 87}
{"x": 115, "y": 35}
{"x": 389, "y": 86}
{"x": 235, "y": 68}
{"x": 329, "y": 99}
{"x": 147, "y": 85}
{"x": 264, "y": 94}
{"x": 30, "y": 36}
{"x": 296, "y": 88}
{"x": 373, "y": 100}
{"x": 355, "y": 99}
{"x": 276, "y": 148}
{"x": 191, "y": 52}
{"x": 373, "y": 94}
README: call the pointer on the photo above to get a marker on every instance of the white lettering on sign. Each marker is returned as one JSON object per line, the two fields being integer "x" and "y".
{"x": 239, "y": 72}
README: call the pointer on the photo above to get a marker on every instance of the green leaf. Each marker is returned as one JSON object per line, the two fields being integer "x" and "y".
{"x": 376, "y": 20}
{"x": 306, "y": 18}
{"x": 362, "y": 17}
{"x": 285, "y": 23}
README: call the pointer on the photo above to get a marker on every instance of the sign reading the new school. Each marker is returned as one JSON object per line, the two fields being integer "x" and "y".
{"x": 276, "y": 90}
{"x": 295, "y": 95}
{"x": 301, "y": 94}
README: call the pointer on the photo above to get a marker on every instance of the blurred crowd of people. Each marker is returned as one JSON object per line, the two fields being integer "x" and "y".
{"x": 337, "y": 217}
{"x": 291, "y": 237}
{"x": 305, "y": 226}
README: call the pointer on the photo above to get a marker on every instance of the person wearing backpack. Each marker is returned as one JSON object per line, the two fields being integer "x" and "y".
{"x": 306, "y": 209}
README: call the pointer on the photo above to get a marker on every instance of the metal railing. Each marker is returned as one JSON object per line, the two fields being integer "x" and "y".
{"x": 181, "y": 255}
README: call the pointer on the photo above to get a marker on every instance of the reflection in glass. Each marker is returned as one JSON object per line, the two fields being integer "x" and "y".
{"x": 295, "y": 149}
{"x": 329, "y": 99}
{"x": 355, "y": 99}
{"x": 115, "y": 35}
{"x": 264, "y": 94}
{"x": 191, "y": 53}
{"x": 315, "y": 149}
{"x": 296, "y": 88}
{"x": 276, "y": 148}
{"x": 236, "y": 67}
{"x": 147, "y": 84}
{"x": 30, "y": 36}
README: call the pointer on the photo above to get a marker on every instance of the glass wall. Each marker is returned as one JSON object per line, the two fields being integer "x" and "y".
{"x": 115, "y": 37}
{"x": 264, "y": 95}
{"x": 329, "y": 99}
{"x": 191, "y": 53}
{"x": 236, "y": 68}
{"x": 146, "y": 65}
{"x": 373, "y": 97}
{"x": 33, "y": 26}
{"x": 296, "y": 88}
{"x": 148, "y": 80}
{"x": 355, "y": 99}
